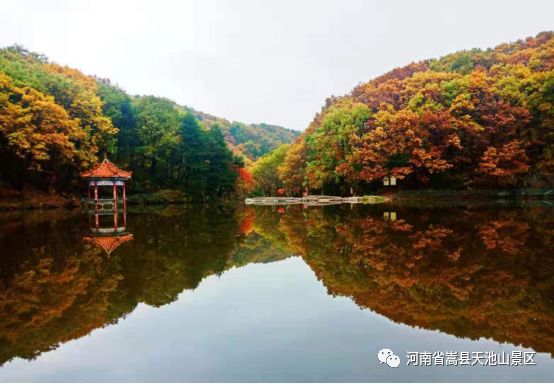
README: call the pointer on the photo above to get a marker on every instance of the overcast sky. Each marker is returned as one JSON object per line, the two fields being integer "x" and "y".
{"x": 259, "y": 61}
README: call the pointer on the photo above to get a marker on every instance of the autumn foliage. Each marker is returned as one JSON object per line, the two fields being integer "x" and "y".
{"x": 472, "y": 119}
{"x": 51, "y": 121}
{"x": 56, "y": 121}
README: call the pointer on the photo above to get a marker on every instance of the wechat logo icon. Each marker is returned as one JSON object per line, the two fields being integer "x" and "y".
{"x": 386, "y": 356}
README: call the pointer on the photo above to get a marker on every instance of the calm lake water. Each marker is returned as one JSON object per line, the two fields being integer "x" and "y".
{"x": 277, "y": 294}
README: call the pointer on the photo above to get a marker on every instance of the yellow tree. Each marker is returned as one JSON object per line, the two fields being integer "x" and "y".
{"x": 38, "y": 131}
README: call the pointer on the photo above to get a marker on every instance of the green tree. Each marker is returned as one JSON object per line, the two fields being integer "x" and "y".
{"x": 193, "y": 149}
{"x": 157, "y": 125}
{"x": 266, "y": 171}
{"x": 117, "y": 105}
{"x": 221, "y": 176}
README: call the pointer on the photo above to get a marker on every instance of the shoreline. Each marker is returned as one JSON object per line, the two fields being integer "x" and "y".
{"x": 472, "y": 194}
{"x": 64, "y": 201}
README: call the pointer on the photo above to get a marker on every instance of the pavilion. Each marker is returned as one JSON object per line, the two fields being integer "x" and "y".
{"x": 106, "y": 174}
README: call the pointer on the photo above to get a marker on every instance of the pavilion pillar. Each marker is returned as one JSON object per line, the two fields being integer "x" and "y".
{"x": 96, "y": 192}
{"x": 114, "y": 205}
{"x": 124, "y": 198}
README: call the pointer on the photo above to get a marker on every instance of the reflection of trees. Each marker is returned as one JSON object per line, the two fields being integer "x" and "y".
{"x": 175, "y": 253}
{"x": 255, "y": 247}
{"x": 470, "y": 273}
{"x": 54, "y": 287}
{"x": 53, "y": 290}
{"x": 46, "y": 306}
{"x": 506, "y": 235}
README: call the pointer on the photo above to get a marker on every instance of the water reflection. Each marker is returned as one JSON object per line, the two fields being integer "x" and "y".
{"x": 56, "y": 287}
{"x": 468, "y": 271}
{"x": 108, "y": 229}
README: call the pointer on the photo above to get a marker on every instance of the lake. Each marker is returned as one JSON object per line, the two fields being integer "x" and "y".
{"x": 279, "y": 293}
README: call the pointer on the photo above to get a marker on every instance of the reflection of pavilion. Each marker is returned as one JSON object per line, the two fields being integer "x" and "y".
{"x": 108, "y": 230}
{"x": 107, "y": 218}
{"x": 109, "y": 243}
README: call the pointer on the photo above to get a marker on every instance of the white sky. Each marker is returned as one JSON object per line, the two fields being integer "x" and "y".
{"x": 259, "y": 61}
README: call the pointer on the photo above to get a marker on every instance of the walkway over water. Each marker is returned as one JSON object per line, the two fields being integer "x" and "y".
{"x": 315, "y": 200}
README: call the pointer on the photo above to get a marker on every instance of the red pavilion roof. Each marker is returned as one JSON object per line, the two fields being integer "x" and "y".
{"x": 106, "y": 170}
{"x": 109, "y": 243}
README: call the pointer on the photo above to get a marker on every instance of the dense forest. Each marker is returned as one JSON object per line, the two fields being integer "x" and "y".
{"x": 251, "y": 141}
{"x": 56, "y": 121}
{"x": 477, "y": 119}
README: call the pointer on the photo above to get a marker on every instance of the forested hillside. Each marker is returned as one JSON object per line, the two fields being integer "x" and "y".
{"x": 56, "y": 121}
{"x": 472, "y": 119}
{"x": 249, "y": 140}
